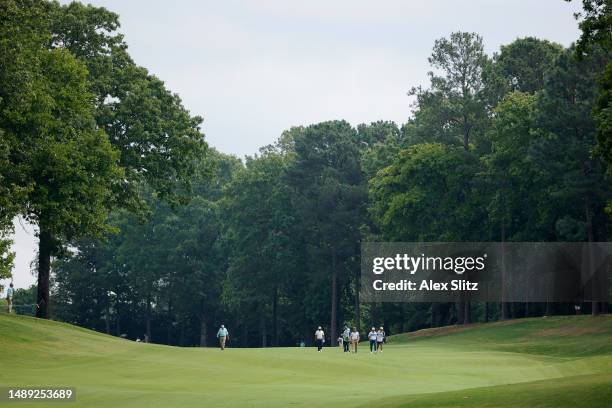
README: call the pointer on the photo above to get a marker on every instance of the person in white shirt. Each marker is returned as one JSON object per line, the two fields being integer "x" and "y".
{"x": 354, "y": 340}
{"x": 380, "y": 339}
{"x": 223, "y": 336}
{"x": 372, "y": 338}
{"x": 319, "y": 338}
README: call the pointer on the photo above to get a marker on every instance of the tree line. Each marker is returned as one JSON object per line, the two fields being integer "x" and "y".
{"x": 149, "y": 232}
{"x": 84, "y": 129}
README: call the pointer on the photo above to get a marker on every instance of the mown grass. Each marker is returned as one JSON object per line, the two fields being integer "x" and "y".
{"x": 555, "y": 362}
{"x": 562, "y": 336}
{"x": 586, "y": 391}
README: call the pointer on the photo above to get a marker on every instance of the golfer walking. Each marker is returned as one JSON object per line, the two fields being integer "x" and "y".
{"x": 372, "y": 337}
{"x": 319, "y": 339}
{"x": 354, "y": 340}
{"x": 223, "y": 336}
{"x": 380, "y": 339}
{"x": 346, "y": 339}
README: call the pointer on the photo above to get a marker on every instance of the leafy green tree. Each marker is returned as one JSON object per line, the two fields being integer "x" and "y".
{"x": 430, "y": 192}
{"x": 329, "y": 197}
{"x": 18, "y": 45}
{"x": 200, "y": 257}
{"x": 453, "y": 109}
{"x": 160, "y": 273}
{"x": 158, "y": 140}
{"x": 6, "y": 255}
{"x": 58, "y": 155}
{"x": 379, "y": 142}
{"x": 83, "y": 287}
{"x": 525, "y": 62}
{"x": 9, "y": 199}
{"x": 564, "y": 150}
{"x": 595, "y": 21}
{"x": 509, "y": 176}
{"x": 86, "y": 126}
{"x": 507, "y": 165}
{"x": 260, "y": 226}
{"x": 603, "y": 119}
{"x": 413, "y": 198}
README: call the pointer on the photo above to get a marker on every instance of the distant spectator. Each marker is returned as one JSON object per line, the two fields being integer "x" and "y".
{"x": 9, "y": 297}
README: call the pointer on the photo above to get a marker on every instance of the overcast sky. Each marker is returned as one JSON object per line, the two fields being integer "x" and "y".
{"x": 253, "y": 69}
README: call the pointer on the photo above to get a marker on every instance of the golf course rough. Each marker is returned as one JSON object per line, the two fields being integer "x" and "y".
{"x": 537, "y": 362}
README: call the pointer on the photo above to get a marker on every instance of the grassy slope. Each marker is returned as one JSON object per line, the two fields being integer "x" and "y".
{"x": 550, "y": 362}
{"x": 578, "y": 340}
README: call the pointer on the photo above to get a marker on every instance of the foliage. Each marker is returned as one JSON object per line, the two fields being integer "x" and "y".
{"x": 453, "y": 110}
{"x": 595, "y": 21}
{"x": 424, "y": 181}
{"x": 83, "y": 127}
{"x": 525, "y": 62}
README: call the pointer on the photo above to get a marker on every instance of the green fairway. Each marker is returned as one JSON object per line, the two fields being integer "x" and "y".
{"x": 554, "y": 362}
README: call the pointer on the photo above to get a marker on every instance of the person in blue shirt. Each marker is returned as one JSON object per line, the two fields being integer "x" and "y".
{"x": 223, "y": 336}
{"x": 9, "y": 297}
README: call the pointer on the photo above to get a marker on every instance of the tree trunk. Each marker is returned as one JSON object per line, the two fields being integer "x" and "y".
{"x": 504, "y": 304}
{"x": 148, "y": 320}
{"x": 203, "y": 331}
{"x": 590, "y": 235}
{"x": 107, "y": 318}
{"x": 182, "y": 335}
{"x": 463, "y": 310}
{"x": 169, "y": 320}
{"x": 434, "y": 315}
{"x": 306, "y": 336}
{"x": 264, "y": 334}
{"x": 334, "y": 300}
{"x": 118, "y": 325}
{"x": 275, "y": 317}
{"x": 466, "y": 134}
{"x": 460, "y": 309}
{"x": 467, "y": 316}
{"x": 117, "y": 314}
{"x": 357, "y": 306}
{"x": 245, "y": 335}
{"x": 45, "y": 249}
{"x": 550, "y": 308}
